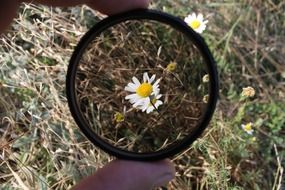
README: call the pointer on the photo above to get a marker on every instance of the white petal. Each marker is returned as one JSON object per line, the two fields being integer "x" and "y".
{"x": 140, "y": 106}
{"x": 145, "y": 77}
{"x": 155, "y": 91}
{"x": 152, "y": 79}
{"x": 202, "y": 30}
{"x": 188, "y": 20}
{"x": 136, "y": 81}
{"x": 147, "y": 100}
{"x": 144, "y": 107}
{"x": 127, "y": 88}
{"x": 138, "y": 103}
{"x": 134, "y": 99}
{"x": 155, "y": 87}
{"x": 156, "y": 82}
{"x": 131, "y": 87}
{"x": 200, "y": 17}
{"x": 158, "y": 103}
{"x": 250, "y": 132}
{"x": 131, "y": 96}
{"x": 158, "y": 96}
{"x": 144, "y": 102}
{"x": 199, "y": 30}
{"x": 149, "y": 109}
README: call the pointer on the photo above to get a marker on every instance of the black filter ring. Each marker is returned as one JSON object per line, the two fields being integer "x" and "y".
{"x": 140, "y": 14}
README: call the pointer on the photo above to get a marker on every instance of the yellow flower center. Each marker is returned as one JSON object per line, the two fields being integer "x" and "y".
{"x": 195, "y": 24}
{"x": 248, "y": 127}
{"x": 144, "y": 90}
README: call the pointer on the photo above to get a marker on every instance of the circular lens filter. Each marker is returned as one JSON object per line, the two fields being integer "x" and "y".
{"x": 142, "y": 85}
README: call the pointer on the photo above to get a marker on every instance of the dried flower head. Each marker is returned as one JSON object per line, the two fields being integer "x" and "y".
{"x": 171, "y": 66}
{"x": 206, "y": 98}
{"x": 205, "y": 78}
{"x": 248, "y": 92}
{"x": 119, "y": 117}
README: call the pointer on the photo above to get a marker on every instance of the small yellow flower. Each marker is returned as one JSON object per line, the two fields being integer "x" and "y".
{"x": 247, "y": 128}
{"x": 248, "y": 92}
{"x": 205, "y": 78}
{"x": 206, "y": 98}
{"x": 119, "y": 117}
{"x": 171, "y": 66}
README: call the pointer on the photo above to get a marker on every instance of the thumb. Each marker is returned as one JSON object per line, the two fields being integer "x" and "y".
{"x": 115, "y": 6}
{"x": 129, "y": 175}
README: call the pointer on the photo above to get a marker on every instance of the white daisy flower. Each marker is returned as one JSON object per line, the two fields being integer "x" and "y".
{"x": 142, "y": 91}
{"x": 196, "y": 22}
{"x": 247, "y": 128}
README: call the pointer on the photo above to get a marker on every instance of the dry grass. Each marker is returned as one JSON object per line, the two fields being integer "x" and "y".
{"x": 42, "y": 148}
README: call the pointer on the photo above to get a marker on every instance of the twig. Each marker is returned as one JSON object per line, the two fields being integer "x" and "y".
{"x": 279, "y": 172}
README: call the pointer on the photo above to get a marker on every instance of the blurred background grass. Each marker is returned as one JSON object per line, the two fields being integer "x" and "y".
{"x": 42, "y": 148}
